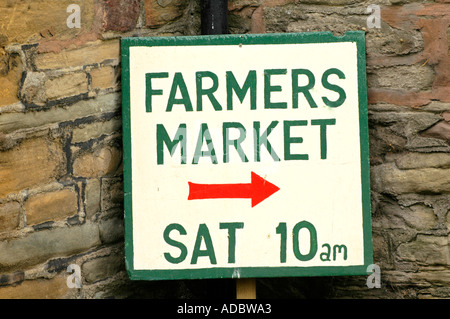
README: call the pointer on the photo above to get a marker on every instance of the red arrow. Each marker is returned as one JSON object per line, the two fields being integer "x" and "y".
{"x": 258, "y": 190}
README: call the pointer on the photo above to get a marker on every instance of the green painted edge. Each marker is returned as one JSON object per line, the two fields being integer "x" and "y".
{"x": 248, "y": 272}
{"x": 126, "y": 141}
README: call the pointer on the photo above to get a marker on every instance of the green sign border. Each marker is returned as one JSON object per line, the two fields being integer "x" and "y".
{"x": 250, "y": 272}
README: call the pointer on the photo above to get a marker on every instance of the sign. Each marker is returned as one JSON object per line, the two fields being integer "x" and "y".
{"x": 246, "y": 156}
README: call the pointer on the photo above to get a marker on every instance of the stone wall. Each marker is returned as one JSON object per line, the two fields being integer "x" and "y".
{"x": 61, "y": 186}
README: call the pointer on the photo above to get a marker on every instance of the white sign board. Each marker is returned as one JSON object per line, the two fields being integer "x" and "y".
{"x": 246, "y": 156}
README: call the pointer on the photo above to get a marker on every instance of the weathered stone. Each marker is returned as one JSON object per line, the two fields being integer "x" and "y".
{"x": 416, "y": 77}
{"x": 39, "y": 246}
{"x": 104, "y": 77}
{"x": 388, "y": 179}
{"x": 90, "y": 54}
{"x": 101, "y": 268}
{"x": 440, "y": 130}
{"x": 66, "y": 85}
{"x": 33, "y": 89}
{"x": 430, "y": 250}
{"x": 51, "y": 206}
{"x": 94, "y": 130}
{"x": 422, "y": 160}
{"x": 393, "y": 43}
{"x": 11, "y": 69}
{"x": 31, "y": 163}
{"x": 92, "y": 197}
{"x": 54, "y": 288}
{"x": 120, "y": 15}
{"x": 398, "y": 97}
{"x": 12, "y": 278}
{"x": 448, "y": 219}
{"x": 111, "y": 230}
{"x": 9, "y": 216}
{"x": 29, "y": 21}
{"x": 420, "y": 279}
{"x": 108, "y": 103}
{"x": 160, "y": 12}
{"x": 101, "y": 162}
{"x": 390, "y": 215}
{"x": 112, "y": 193}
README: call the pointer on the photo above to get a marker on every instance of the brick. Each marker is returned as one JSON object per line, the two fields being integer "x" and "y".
{"x": 9, "y": 216}
{"x": 90, "y": 53}
{"x": 29, "y": 21}
{"x": 160, "y": 12}
{"x": 54, "y": 288}
{"x": 31, "y": 163}
{"x": 104, "y": 77}
{"x": 38, "y": 247}
{"x": 66, "y": 85}
{"x": 101, "y": 162}
{"x": 51, "y": 206}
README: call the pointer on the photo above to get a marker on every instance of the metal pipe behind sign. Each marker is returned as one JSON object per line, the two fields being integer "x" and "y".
{"x": 215, "y": 21}
{"x": 214, "y": 17}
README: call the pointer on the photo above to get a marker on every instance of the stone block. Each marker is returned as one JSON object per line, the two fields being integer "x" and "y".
{"x": 29, "y": 164}
{"x": 29, "y": 21}
{"x": 101, "y": 268}
{"x": 108, "y": 103}
{"x": 36, "y": 247}
{"x": 66, "y": 85}
{"x": 391, "y": 215}
{"x": 413, "y": 77}
{"x": 9, "y": 216}
{"x": 160, "y": 12}
{"x": 54, "y": 288}
{"x": 86, "y": 132}
{"x": 100, "y": 162}
{"x": 111, "y": 230}
{"x": 387, "y": 178}
{"x": 422, "y": 160}
{"x": 11, "y": 68}
{"x": 112, "y": 193}
{"x": 51, "y": 206}
{"x": 33, "y": 88}
{"x": 120, "y": 15}
{"x": 104, "y": 77}
{"x": 92, "y": 197}
{"x": 91, "y": 53}
{"x": 426, "y": 249}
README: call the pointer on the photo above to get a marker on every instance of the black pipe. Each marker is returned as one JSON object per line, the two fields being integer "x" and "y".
{"x": 214, "y": 16}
